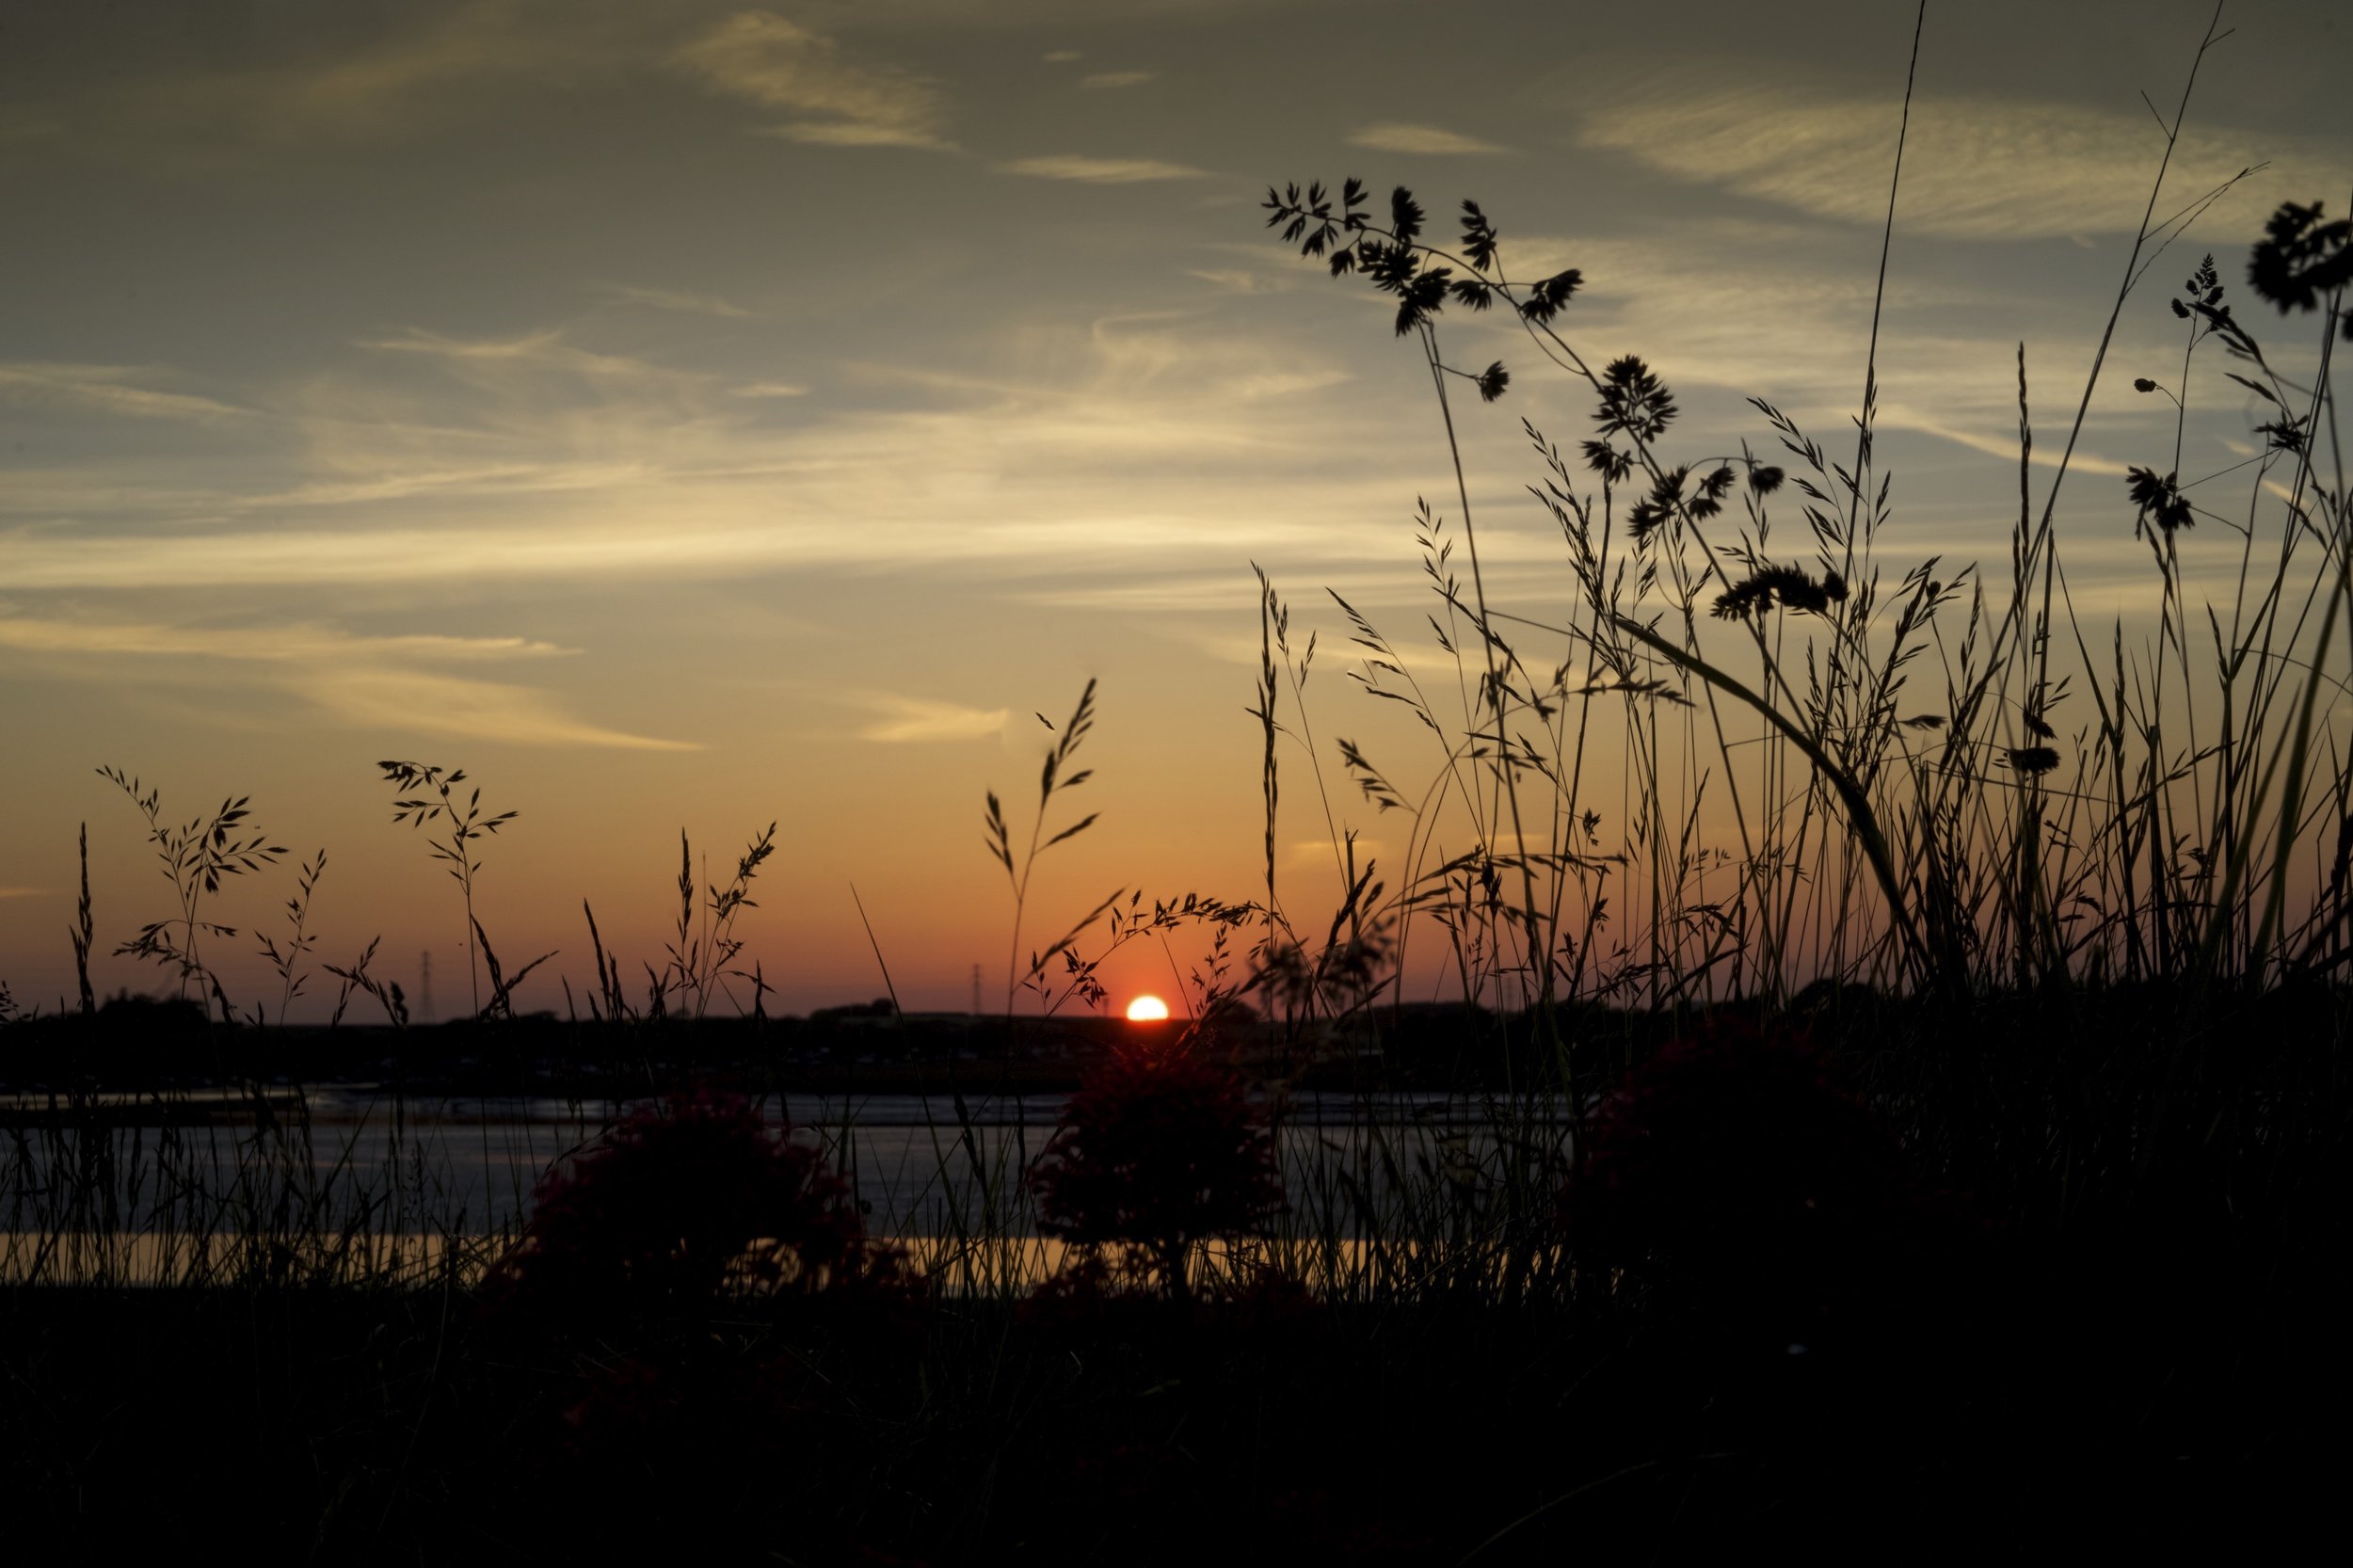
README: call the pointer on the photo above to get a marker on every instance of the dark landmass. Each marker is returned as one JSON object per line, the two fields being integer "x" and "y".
{"x": 141, "y": 1047}
{"x": 2053, "y": 1052}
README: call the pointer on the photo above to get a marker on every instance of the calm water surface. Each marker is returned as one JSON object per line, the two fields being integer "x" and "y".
{"x": 425, "y": 1169}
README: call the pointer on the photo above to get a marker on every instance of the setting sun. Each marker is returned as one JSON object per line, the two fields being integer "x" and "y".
{"x": 1146, "y": 1010}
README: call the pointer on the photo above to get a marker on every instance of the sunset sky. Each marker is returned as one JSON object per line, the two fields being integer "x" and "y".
{"x": 684, "y": 416}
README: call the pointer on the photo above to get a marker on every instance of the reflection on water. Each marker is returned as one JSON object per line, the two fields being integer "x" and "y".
{"x": 368, "y": 1187}
{"x": 959, "y": 1266}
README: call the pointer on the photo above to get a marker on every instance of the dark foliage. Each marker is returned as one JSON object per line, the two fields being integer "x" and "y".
{"x": 1398, "y": 262}
{"x": 1791, "y": 588}
{"x": 1546, "y": 298}
{"x": 2157, "y": 499}
{"x": 1479, "y": 237}
{"x": 1608, "y": 461}
{"x": 1734, "y": 1172}
{"x": 1159, "y": 1148}
{"x": 1634, "y": 400}
{"x": 1710, "y": 496}
{"x": 2301, "y": 259}
{"x": 684, "y": 1206}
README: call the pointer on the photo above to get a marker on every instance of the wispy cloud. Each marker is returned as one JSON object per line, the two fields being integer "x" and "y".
{"x": 415, "y": 71}
{"x": 526, "y": 458}
{"x": 672, "y": 299}
{"x": 548, "y": 349}
{"x": 1060, "y": 56}
{"x": 108, "y": 389}
{"x": 426, "y": 702}
{"x": 1974, "y": 167}
{"x": 1236, "y": 280}
{"x": 376, "y": 92}
{"x": 765, "y": 59}
{"x": 915, "y": 718}
{"x": 1101, "y": 171}
{"x": 373, "y": 682}
{"x": 1392, "y": 136}
{"x": 1318, "y": 852}
{"x": 489, "y": 479}
{"x": 1994, "y": 442}
{"x": 855, "y": 133}
{"x": 1784, "y": 312}
{"x": 292, "y": 644}
{"x": 1200, "y": 592}
{"x": 1102, "y": 79}
{"x": 24, "y": 892}
{"x": 771, "y": 388}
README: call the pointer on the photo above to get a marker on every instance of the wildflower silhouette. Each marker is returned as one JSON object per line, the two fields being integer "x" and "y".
{"x": 683, "y": 1205}
{"x": 1159, "y": 1149}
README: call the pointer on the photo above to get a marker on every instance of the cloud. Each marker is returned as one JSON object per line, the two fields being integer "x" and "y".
{"x": 283, "y": 557}
{"x": 855, "y": 133}
{"x": 1101, "y": 171}
{"x": 420, "y": 75}
{"x": 545, "y": 349}
{"x": 24, "y": 892}
{"x": 1974, "y": 167}
{"x": 375, "y": 92}
{"x": 107, "y": 389}
{"x": 432, "y": 704}
{"x": 1116, "y": 79}
{"x": 296, "y": 643}
{"x": 1391, "y": 135}
{"x": 1780, "y": 308}
{"x": 765, "y": 59}
{"x": 1235, "y": 279}
{"x": 672, "y": 299}
{"x": 1200, "y": 592}
{"x": 526, "y": 458}
{"x": 1320, "y": 851}
{"x": 770, "y": 389}
{"x": 364, "y": 682}
{"x": 915, "y": 719}
{"x": 1898, "y": 416}
{"x": 1059, "y": 56}
{"x": 503, "y": 478}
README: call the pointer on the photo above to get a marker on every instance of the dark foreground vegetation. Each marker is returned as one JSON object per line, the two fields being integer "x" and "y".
{"x": 1807, "y": 1288}
{"x": 2068, "y": 1406}
{"x": 1915, "y": 1106}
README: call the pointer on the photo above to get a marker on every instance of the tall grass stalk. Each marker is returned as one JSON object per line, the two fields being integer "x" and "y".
{"x": 1938, "y": 844}
{"x": 434, "y": 798}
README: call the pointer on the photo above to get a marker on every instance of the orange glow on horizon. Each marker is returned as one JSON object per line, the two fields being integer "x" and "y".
{"x": 1147, "y": 1010}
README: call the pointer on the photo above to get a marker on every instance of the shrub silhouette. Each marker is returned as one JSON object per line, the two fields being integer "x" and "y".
{"x": 1158, "y": 1148}
{"x": 635, "y": 1273}
{"x": 1733, "y": 1172}
{"x": 683, "y": 1205}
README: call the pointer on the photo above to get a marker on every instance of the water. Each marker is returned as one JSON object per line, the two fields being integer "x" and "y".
{"x": 444, "y": 1182}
